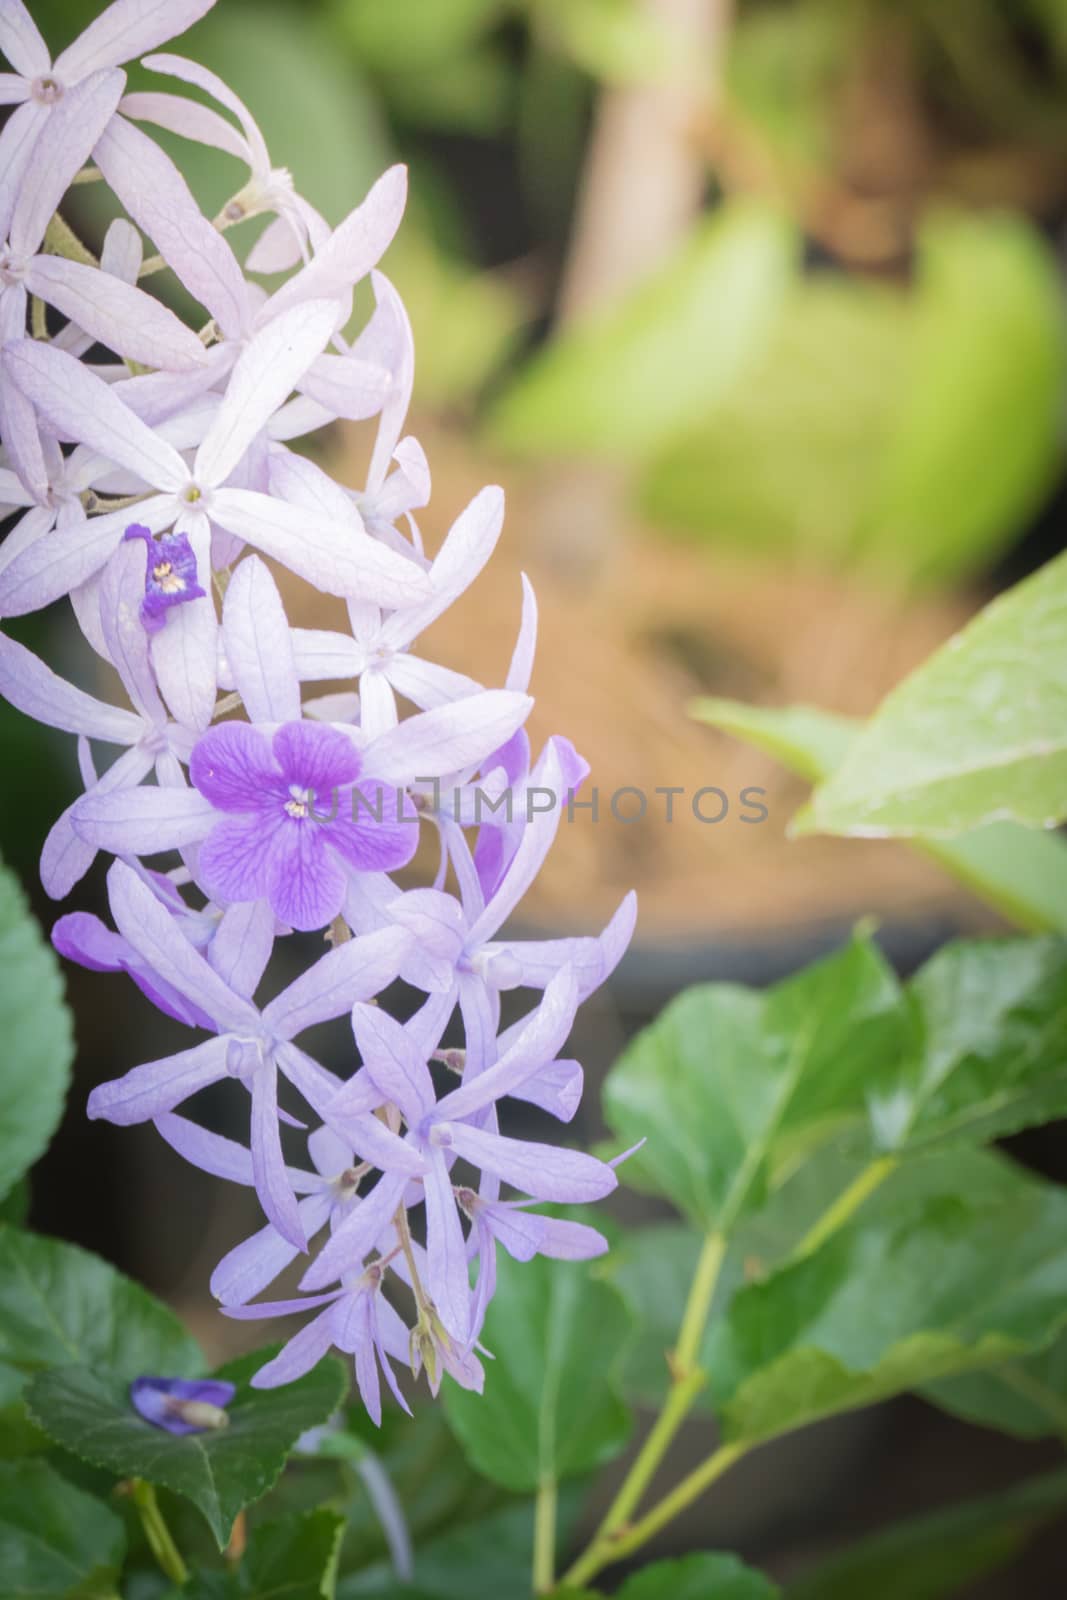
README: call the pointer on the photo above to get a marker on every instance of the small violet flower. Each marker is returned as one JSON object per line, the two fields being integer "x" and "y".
{"x": 183, "y": 1405}
{"x": 170, "y": 574}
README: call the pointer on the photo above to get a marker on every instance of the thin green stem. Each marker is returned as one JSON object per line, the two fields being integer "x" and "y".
{"x": 687, "y": 1380}
{"x": 38, "y": 318}
{"x": 160, "y": 1539}
{"x": 672, "y": 1505}
{"x": 544, "y": 1551}
{"x": 846, "y": 1205}
{"x": 61, "y": 240}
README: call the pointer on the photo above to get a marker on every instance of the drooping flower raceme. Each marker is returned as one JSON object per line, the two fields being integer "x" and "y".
{"x": 145, "y": 490}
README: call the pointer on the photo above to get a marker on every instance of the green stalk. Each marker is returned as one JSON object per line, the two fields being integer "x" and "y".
{"x": 160, "y": 1539}
{"x": 846, "y": 1205}
{"x": 544, "y": 1551}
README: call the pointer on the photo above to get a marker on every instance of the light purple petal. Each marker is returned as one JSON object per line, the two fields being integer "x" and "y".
{"x": 21, "y": 42}
{"x": 446, "y": 1251}
{"x": 358, "y": 1234}
{"x": 126, "y": 29}
{"x": 357, "y": 970}
{"x": 393, "y": 1062}
{"x": 232, "y": 767}
{"x": 185, "y": 649}
{"x": 74, "y": 124}
{"x": 252, "y": 1265}
{"x": 120, "y": 316}
{"x": 120, "y": 593}
{"x": 524, "y": 1234}
{"x": 466, "y": 549}
{"x": 352, "y": 249}
{"x": 440, "y": 742}
{"x": 143, "y": 821}
{"x": 315, "y": 757}
{"x": 157, "y": 197}
{"x": 522, "y": 659}
{"x": 159, "y": 1086}
{"x": 346, "y": 386}
{"x": 268, "y": 1164}
{"x": 36, "y": 690}
{"x": 258, "y": 645}
{"x": 223, "y": 1158}
{"x": 265, "y": 375}
{"x": 304, "y": 1351}
{"x": 381, "y": 840}
{"x": 187, "y": 118}
{"x": 66, "y": 857}
{"x": 64, "y": 559}
{"x": 557, "y": 1089}
{"x": 539, "y": 1041}
{"x": 18, "y": 137}
{"x": 542, "y": 1170}
{"x": 237, "y": 858}
{"x": 305, "y": 885}
{"x": 427, "y": 684}
{"x": 242, "y": 945}
{"x": 536, "y": 842}
{"x": 317, "y": 549}
{"x": 319, "y": 654}
{"x": 192, "y": 72}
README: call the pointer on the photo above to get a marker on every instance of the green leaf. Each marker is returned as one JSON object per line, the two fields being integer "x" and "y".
{"x": 1027, "y": 1397}
{"x": 428, "y": 34}
{"x": 732, "y": 1086}
{"x": 977, "y": 734}
{"x": 623, "y": 381}
{"x": 935, "y": 1557}
{"x": 38, "y": 1040}
{"x": 899, "y": 1297}
{"x": 56, "y": 1543}
{"x": 991, "y": 1046}
{"x": 977, "y": 438}
{"x": 1019, "y": 871}
{"x": 551, "y": 1407}
{"x": 89, "y": 1413}
{"x": 699, "y": 1577}
{"x": 60, "y": 1305}
{"x": 290, "y": 1558}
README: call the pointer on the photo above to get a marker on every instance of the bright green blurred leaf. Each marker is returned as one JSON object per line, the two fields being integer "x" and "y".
{"x": 56, "y": 1543}
{"x": 625, "y": 380}
{"x": 900, "y": 1296}
{"x": 89, "y": 1413}
{"x": 59, "y": 1306}
{"x": 1021, "y": 872}
{"x": 1027, "y": 1397}
{"x": 935, "y": 1557}
{"x": 551, "y": 1407}
{"x": 976, "y": 734}
{"x": 614, "y": 40}
{"x": 978, "y": 433}
{"x": 38, "y": 1040}
{"x": 729, "y": 1084}
{"x": 699, "y": 1577}
{"x": 423, "y": 35}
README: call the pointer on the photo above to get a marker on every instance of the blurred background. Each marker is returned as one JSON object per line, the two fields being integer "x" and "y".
{"x": 757, "y": 312}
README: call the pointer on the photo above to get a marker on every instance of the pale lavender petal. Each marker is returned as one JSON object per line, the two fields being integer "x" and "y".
{"x": 126, "y": 29}
{"x": 74, "y": 124}
{"x": 64, "y": 559}
{"x": 120, "y": 593}
{"x": 264, "y": 376}
{"x": 185, "y": 648}
{"x": 592, "y": 960}
{"x": 18, "y": 420}
{"x": 352, "y": 249}
{"x": 144, "y": 821}
{"x": 305, "y": 885}
{"x": 352, "y": 1320}
{"x": 536, "y": 842}
{"x": 117, "y": 314}
{"x": 66, "y": 857}
{"x": 21, "y": 42}
{"x": 276, "y": 250}
{"x": 82, "y": 407}
{"x": 36, "y": 690}
{"x": 434, "y": 920}
{"x": 157, "y": 197}
{"x": 387, "y": 340}
{"x": 386, "y": 834}
{"x": 256, "y": 1262}
{"x": 522, "y": 660}
{"x": 356, "y": 970}
{"x": 378, "y": 712}
{"x": 346, "y": 386}
{"x": 316, "y": 758}
{"x": 268, "y": 1163}
{"x": 372, "y": 1141}
{"x": 155, "y": 933}
{"x": 427, "y": 684}
{"x": 557, "y": 1089}
{"x": 242, "y": 945}
{"x": 304, "y": 1351}
{"x": 539, "y": 1041}
{"x": 187, "y": 118}
{"x": 18, "y": 137}
{"x": 542, "y": 1170}
{"x": 159, "y": 1086}
{"x": 237, "y": 858}
{"x": 524, "y": 1235}
{"x": 393, "y": 1062}
{"x": 211, "y": 1152}
{"x": 440, "y": 742}
{"x": 446, "y": 1250}
{"x": 232, "y": 766}
{"x": 318, "y": 549}
{"x": 467, "y": 547}
{"x": 192, "y": 72}
{"x": 258, "y": 645}
{"x": 302, "y": 483}
{"x": 319, "y": 654}
{"x": 358, "y": 1234}
{"x": 13, "y": 88}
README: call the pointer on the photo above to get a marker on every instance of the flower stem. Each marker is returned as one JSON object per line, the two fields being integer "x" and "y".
{"x": 687, "y": 1380}
{"x": 160, "y": 1540}
{"x": 672, "y": 1505}
{"x": 846, "y": 1205}
{"x": 61, "y": 240}
{"x": 544, "y": 1553}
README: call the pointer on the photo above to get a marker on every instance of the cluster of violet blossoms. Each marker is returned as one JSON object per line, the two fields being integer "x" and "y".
{"x": 148, "y": 468}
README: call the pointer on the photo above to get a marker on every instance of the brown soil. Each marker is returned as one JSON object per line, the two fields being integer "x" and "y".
{"x": 618, "y": 660}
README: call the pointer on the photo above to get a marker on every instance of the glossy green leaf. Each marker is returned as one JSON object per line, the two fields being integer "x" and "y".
{"x": 731, "y": 1085}
{"x": 89, "y": 1413}
{"x": 899, "y": 1297}
{"x": 56, "y": 1543}
{"x": 699, "y": 1577}
{"x": 1026, "y": 1397}
{"x": 622, "y": 382}
{"x": 288, "y": 1558}
{"x": 977, "y": 734}
{"x": 61, "y": 1306}
{"x": 1020, "y": 871}
{"x": 38, "y": 1040}
{"x": 990, "y": 1055}
{"x": 551, "y": 1407}
{"x": 937, "y": 1557}
{"x": 978, "y": 432}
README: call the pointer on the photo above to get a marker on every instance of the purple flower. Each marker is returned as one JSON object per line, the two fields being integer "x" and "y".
{"x": 294, "y": 819}
{"x": 170, "y": 574}
{"x": 183, "y": 1405}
